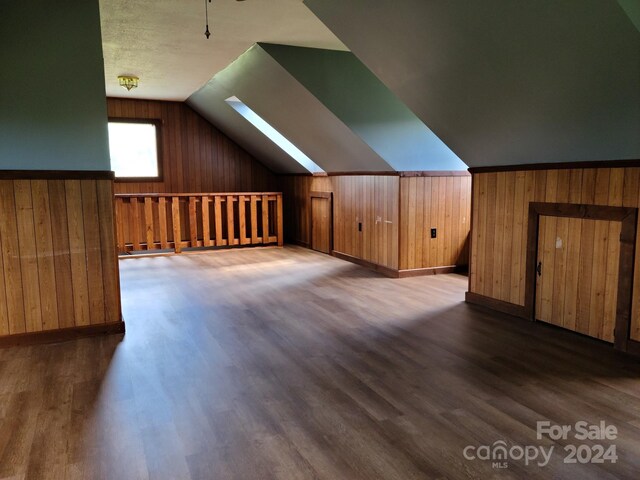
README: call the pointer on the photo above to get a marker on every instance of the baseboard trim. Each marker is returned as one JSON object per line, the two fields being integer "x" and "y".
{"x": 494, "y": 304}
{"x": 633, "y": 347}
{"x": 418, "y": 272}
{"x": 61, "y": 335}
{"x": 386, "y": 271}
{"x": 393, "y": 273}
{"x": 299, "y": 243}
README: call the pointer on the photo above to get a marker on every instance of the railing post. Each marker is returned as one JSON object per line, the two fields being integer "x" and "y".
{"x": 122, "y": 248}
{"x": 218, "y": 219}
{"x": 177, "y": 233}
{"x": 148, "y": 222}
{"x": 162, "y": 218}
{"x": 135, "y": 224}
{"x": 265, "y": 219}
{"x": 254, "y": 219}
{"x": 280, "y": 229}
{"x": 206, "y": 228}
{"x": 231, "y": 234}
{"x": 193, "y": 222}
{"x": 242, "y": 224}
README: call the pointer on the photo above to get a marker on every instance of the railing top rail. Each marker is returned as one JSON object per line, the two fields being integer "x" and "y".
{"x": 223, "y": 194}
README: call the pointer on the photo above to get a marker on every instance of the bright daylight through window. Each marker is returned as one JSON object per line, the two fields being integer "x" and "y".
{"x": 134, "y": 149}
{"x": 273, "y": 135}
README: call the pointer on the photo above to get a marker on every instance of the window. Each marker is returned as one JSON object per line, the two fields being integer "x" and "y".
{"x": 271, "y": 133}
{"x": 134, "y": 149}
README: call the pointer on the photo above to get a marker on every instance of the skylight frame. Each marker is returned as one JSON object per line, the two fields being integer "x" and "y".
{"x": 274, "y": 135}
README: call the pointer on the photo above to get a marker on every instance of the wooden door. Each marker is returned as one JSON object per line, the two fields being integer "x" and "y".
{"x": 321, "y": 222}
{"x": 577, "y": 274}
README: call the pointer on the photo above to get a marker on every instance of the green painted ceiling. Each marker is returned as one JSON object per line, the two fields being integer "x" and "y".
{"x": 505, "y": 81}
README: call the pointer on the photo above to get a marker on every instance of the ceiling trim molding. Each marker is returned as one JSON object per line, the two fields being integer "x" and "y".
{"x": 557, "y": 166}
{"x": 418, "y": 173}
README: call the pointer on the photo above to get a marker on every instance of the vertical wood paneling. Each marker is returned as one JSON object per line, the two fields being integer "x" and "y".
{"x": 372, "y": 201}
{"x": 60, "y": 232}
{"x": 497, "y": 245}
{"x": 603, "y": 186}
{"x": 518, "y": 180}
{"x": 196, "y": 157}
{"x": 58, "y": 255}
{"x": 108, "y": 251}
{"x": 44, "y": 246}
{"x": 631, "y": 191}
{"x": 396, "y": 215}
{"x": 4, "y": 315}
{"x": 11, "y": 258}
{"x": 481, "y": 221}
{"x": 93, "y": 256}
{"x": 77, "y": 248}
{"x": 28, "y": 255}
{"x": 434, "y": 202}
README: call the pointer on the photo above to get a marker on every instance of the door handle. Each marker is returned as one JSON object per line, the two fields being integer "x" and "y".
{"x": 539, "y": 269}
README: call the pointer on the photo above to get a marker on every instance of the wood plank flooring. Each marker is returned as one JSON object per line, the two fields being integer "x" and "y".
{"x": 290, "y": 364}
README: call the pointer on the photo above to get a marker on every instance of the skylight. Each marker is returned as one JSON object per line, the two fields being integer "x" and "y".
{"x": 273, "y": 135}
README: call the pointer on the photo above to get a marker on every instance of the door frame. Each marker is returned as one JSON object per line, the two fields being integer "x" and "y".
{"x": 629, "y": 218}
{"x": 328, "y": 196}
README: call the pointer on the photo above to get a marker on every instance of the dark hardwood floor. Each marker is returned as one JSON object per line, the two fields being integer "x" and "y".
{"x": 290, "y": 364}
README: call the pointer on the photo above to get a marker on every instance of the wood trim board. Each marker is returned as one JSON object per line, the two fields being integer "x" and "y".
{"x": 498, "y": 305}
{"x": 393, "y": 273}
{"x": 62, "y": 335}
{"x": 557, "y": 166}
{"x": 389, "y": 272}
{"x": 56, "y": 175}
{"x": 407, "y": 173}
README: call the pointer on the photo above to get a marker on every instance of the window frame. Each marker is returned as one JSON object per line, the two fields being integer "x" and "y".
{"x": 159, "y": 153}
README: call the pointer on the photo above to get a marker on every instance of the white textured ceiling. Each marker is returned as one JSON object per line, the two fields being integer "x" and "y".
{"x": 163, "y": 42}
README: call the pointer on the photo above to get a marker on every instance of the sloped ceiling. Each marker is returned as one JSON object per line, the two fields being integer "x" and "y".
{"x": 632, "y": 8}
{"x": 363, "y": 103}
{"x": 268, "y": 89}
{"x": 505, "y": 82}
{"x": 163, "y": 42}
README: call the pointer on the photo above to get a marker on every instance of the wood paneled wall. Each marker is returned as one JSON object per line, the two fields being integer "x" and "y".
{"x": 57, "y": 255}
{"x": 296, "y": 192}
{"x": 443, "y": 203}
{"x": 373, "y": 202}
{"x": 500, "y": 222}
{"x": 357, "y": 199}
{"x": 196, "y": 157}
{"x": 396, "y": 214}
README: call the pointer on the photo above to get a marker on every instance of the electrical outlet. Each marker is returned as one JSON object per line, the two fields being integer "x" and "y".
{"x": 434, "y": 233}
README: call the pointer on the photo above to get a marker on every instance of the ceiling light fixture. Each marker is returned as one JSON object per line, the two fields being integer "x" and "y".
{"x": 128, "y": 82}
{"x": 207, "y": 33}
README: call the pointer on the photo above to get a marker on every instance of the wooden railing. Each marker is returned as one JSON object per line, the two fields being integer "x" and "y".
{"x": 165, "y": 221}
